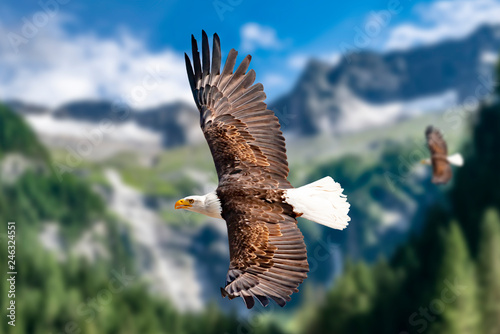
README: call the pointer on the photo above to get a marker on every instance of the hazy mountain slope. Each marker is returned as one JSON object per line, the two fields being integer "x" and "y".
{"x": 174, "y": 124}
{"x": 62, "y": 216}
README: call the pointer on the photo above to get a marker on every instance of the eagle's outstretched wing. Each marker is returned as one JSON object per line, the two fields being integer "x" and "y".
{"x": 441, "y": 169}
{"x": 268, "y": 257}
{"x": 244, "y": 136}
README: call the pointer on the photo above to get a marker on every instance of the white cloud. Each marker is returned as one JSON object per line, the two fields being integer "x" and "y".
{"x": 489, "y": 57}
{"x": 129, "y": 132}
{"x": 53, "y": 68}
{"x": 254, "y": 36}
{"x": 299, "y": 60}
{"x": 274, "y": 79}
{"x": 332, "y": 58}
{"x": 444, "y": 19}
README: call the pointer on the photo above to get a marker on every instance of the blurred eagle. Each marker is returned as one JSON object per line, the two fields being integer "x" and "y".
{"x": 268, "y": 258}
{"x": 440, "y": 161}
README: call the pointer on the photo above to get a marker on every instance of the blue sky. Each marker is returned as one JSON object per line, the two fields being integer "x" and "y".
{"x": 94, "y": 49}
{"x": 170, "y": 22}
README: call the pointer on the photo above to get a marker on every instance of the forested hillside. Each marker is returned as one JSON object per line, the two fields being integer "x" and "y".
{"x": 446, "y": 279}
{"x": 65, "y": 292}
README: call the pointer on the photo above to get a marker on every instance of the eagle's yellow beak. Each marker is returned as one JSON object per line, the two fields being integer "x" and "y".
{"x": 422, "y": 161}
{"x": 182, "y": 204}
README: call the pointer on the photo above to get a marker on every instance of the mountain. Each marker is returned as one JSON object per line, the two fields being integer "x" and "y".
{"x": 367, "y": 88}
{"x": 178, "y": 123}
{"x": 175, "y": 122}
{"x": 98, "y": 129}
{"x": 24, "y": 108}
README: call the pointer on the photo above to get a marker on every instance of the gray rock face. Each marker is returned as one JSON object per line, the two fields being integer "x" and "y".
{"x": 176, "y": 122}
{"x": 23, "y": 108}
{"x": 322, "y": 93}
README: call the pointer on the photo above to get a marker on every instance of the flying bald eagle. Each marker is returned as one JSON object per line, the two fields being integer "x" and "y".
{"x": 268, "y": 256}
{"x": 440, "y": 161}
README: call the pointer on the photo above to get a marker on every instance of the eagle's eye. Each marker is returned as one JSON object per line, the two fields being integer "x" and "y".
{"x": 191, "y": 201}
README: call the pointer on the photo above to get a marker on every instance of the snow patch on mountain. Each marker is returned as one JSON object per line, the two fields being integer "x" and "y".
{"x": 489, "y": 57}
{"x": 51, "y": 240}
{"x": 131, "y": 132}
{"x": 371, "y": 115}
{"x": 159, "y": 250}
{"x": 89, "y": 245}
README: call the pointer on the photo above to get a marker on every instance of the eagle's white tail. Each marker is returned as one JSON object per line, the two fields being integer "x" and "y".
{"x": 456, "y": 159}
{"x": 322, "y": 202}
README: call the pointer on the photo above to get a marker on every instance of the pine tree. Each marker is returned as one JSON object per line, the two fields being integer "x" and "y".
{"x": 477, "y": 183}
{"x": 454, "y": 309}
{"x": 17, "y": 136}
{"x": 350, "y": 301}
{"x": 387, "y": 282}
{"x": 497, "y": 83}
{"x": 489, "y": 272}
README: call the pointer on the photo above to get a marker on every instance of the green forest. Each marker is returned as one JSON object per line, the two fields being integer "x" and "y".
{"x": 445, "y": 279}
{"x": 76, "y": 296}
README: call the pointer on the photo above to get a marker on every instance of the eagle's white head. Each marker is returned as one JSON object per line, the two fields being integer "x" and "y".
{"x": 208, "y": 205}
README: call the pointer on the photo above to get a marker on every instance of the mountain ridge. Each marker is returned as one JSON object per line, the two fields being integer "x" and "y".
{"x": 324, "y": 95}
{"x": 363, "y": 90}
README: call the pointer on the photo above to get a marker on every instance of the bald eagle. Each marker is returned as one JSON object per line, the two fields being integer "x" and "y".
{"x": 268, "y": 258}
{"x": 440, "y": 161}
